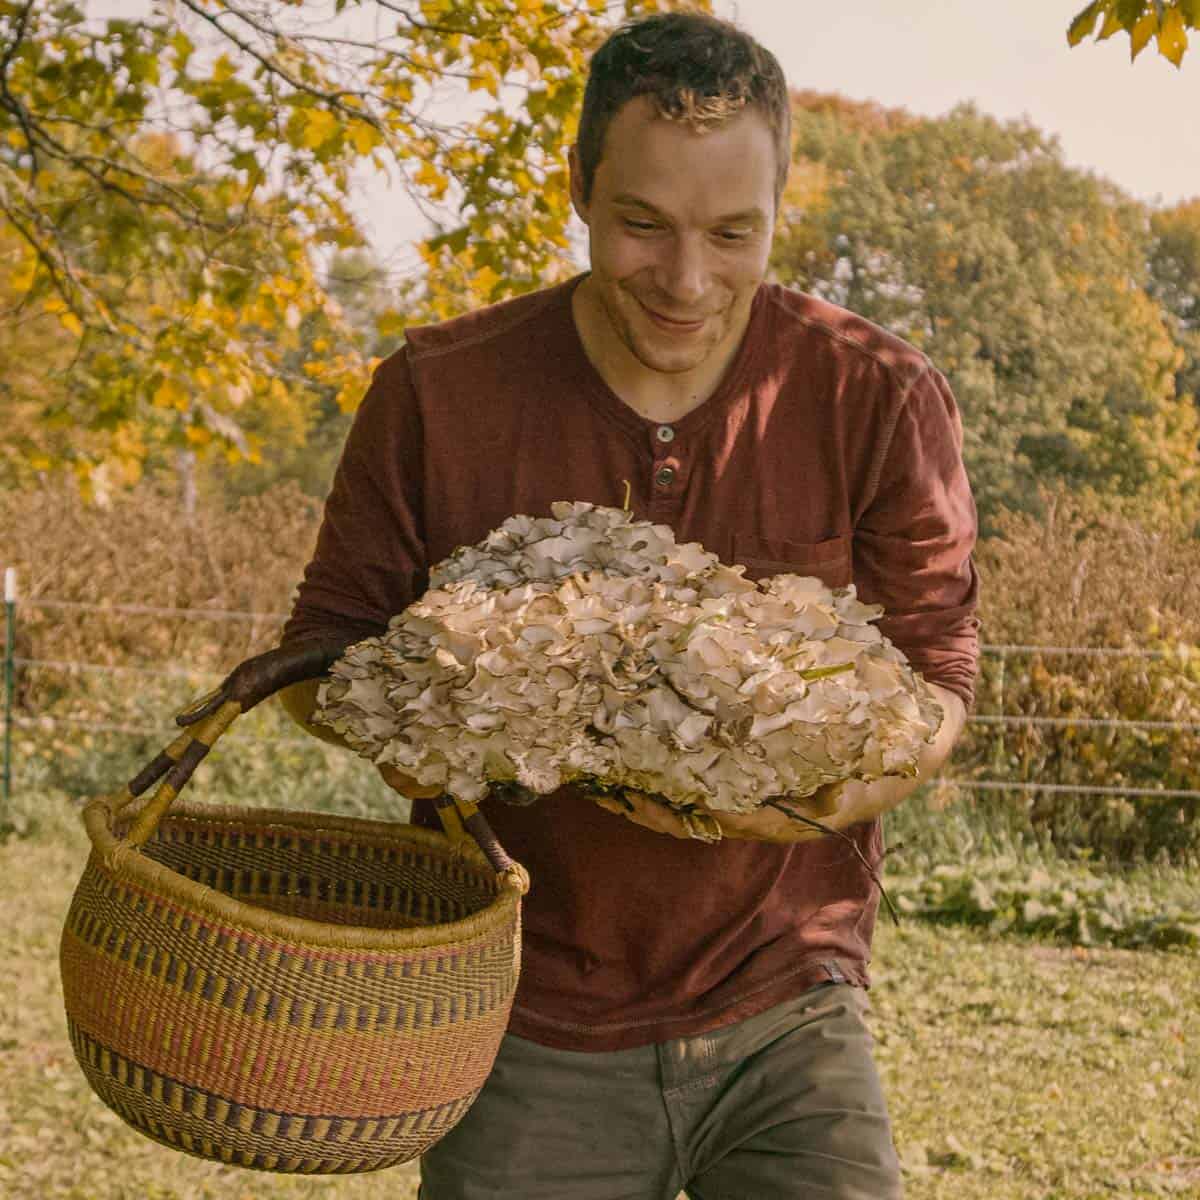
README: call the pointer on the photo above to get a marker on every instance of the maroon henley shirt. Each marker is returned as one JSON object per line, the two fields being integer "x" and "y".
{"x": 831, "y": 448}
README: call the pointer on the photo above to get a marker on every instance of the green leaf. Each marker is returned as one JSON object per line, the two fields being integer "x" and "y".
{"x": 1084, "y": 23}
{"x": 1129, "y": 12}
{"x": 224, "y": 69}
{"x": 183, "y": 47}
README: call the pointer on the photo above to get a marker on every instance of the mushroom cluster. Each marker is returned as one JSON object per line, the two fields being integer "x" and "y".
{"x": 587, "y": 647}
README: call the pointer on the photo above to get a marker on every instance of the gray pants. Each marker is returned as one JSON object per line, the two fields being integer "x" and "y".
{"x": 783, "y": 1106}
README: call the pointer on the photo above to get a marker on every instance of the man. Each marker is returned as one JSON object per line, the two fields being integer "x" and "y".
{"x": 689, "y": 1014}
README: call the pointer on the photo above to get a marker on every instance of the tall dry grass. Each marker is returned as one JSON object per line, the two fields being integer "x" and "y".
{"x": 1094, "y": 575}
{"x": 142, "y": 550}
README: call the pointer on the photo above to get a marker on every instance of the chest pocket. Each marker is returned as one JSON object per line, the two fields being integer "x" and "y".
{"x": 829, "y": 561}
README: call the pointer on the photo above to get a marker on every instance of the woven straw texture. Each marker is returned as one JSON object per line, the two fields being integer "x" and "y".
{"x": 288, "y": 991}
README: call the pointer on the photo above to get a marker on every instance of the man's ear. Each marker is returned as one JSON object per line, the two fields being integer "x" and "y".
{"x": 576, "y": 171}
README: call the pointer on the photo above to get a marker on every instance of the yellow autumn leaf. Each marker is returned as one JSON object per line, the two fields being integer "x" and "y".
{"x": 21, "y": 280}
{"x": 1141, "y": 34}
{"x": 169, "y": 394}
{"x": 319, "y": 127}
{"x": 71, "y": 322}
{"x": 485, "y": 280}
{"x": 197, "y": 435}
{"x": 429, "y": 177}
{"x": 1112, "y": 24}
{"x": 364, "y": 138}
{"x": 1172, "y": 36}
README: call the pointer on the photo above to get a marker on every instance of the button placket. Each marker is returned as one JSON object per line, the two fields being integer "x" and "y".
{"x": 668, "y": 472}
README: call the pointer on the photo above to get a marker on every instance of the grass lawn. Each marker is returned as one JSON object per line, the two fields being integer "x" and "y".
{"x": 1014, "y": 1068}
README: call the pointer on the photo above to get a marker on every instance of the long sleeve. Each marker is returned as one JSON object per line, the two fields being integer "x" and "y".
{"x": 370, "y": 560}
{"x": 913, "y": 543}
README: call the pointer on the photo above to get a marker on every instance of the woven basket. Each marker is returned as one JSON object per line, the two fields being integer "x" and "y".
{"x": 285, "y": 991}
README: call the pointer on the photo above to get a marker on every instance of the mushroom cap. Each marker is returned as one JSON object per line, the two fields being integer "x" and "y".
{"x": 587, "y": 647}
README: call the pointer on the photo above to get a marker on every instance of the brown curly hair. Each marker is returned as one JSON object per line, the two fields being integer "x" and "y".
{"x": 696, "y": 68}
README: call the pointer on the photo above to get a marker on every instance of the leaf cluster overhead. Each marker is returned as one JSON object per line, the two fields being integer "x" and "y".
{"x": 174, "y": 186}
{"x": 1164, "y": 21}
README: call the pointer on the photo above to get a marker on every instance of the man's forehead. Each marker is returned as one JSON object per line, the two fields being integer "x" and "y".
{"x": 721, "y": 173}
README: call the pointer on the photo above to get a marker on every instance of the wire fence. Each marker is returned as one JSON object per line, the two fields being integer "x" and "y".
{"x": 13, "y": 662}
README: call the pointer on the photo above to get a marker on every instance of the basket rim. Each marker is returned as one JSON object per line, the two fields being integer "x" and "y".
{"x": 128, "y": 863}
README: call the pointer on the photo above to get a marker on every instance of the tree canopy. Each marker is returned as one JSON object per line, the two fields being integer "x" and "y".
{"x": 1026, "y": 281}
{"x": 172, "y": 188}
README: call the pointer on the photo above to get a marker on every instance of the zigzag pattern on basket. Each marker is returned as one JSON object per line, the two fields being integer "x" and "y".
{"x": 248, "y": 1018}
{"x": 190, "y": 1119}
{"x": 159, "y": 937}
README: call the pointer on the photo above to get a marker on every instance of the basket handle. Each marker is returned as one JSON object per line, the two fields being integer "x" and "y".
{"x": 462, "y": 817}
{"x": 208, "y": 717}
{"x": 173, "y": 766}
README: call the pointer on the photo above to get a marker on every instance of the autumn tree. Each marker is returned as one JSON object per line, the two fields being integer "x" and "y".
{"x": 1023, "y": 279}
{"x": 1175, "y": 284}
{"x": 174, "y": 187}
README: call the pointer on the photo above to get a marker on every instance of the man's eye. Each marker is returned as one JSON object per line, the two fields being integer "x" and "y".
{"x": 640, "y": 226}
{"x": 733, "y": 235}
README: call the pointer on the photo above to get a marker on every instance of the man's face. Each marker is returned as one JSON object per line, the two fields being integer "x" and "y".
{"x": 680, "y": 226}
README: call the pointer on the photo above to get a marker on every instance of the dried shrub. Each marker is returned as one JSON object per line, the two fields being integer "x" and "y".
{"x": 1094, "y": 574}
{"x": 141, "y": 550}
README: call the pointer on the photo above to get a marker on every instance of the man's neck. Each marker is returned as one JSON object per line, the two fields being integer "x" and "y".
{"x": 656, "y": 395}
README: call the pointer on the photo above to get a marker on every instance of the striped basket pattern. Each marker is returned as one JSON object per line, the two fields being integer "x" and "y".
{"x": 287, "y": 991}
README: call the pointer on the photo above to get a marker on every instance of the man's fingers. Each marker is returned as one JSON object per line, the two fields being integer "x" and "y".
{"x": 252, "y": 681}
{"x": 647, "y": 812}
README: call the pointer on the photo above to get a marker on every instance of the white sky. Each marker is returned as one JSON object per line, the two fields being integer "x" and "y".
{"x": 1138, "y": 124}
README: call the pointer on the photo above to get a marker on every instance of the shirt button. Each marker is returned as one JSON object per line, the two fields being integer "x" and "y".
{"x": 665, "y": 433}
{"x": 665, "y": 476}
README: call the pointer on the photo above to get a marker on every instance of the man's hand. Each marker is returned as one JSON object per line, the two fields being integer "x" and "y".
{"x": 837, "y": 805}
{"x": 764, "y": 825}
{"x": 254, "y": 680}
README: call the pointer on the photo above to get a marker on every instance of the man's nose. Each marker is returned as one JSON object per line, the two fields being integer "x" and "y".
{"x": 683, "y": 273}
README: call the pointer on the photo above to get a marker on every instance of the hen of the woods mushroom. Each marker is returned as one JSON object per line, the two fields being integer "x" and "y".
{"x": 587, "y": 647}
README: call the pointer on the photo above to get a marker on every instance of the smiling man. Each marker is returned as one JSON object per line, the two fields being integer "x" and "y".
{"x": 690, "y": 1011}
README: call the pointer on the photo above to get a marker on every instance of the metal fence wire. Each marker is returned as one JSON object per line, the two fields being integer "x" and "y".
{"x": 13, "y": 662}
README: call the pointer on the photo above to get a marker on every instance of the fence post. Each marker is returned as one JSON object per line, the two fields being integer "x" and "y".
{"x": 10, "y": 670}
{"x": 999, "y": 749}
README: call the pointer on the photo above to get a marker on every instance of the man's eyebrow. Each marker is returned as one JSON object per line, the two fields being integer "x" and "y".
{"x": 754, "y": 216}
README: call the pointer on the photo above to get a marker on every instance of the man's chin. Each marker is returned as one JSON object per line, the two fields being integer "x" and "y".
{"x": 667, "y": 364}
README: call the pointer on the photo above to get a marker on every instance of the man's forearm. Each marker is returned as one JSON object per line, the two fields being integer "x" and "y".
{"x": 865, "y": 801}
